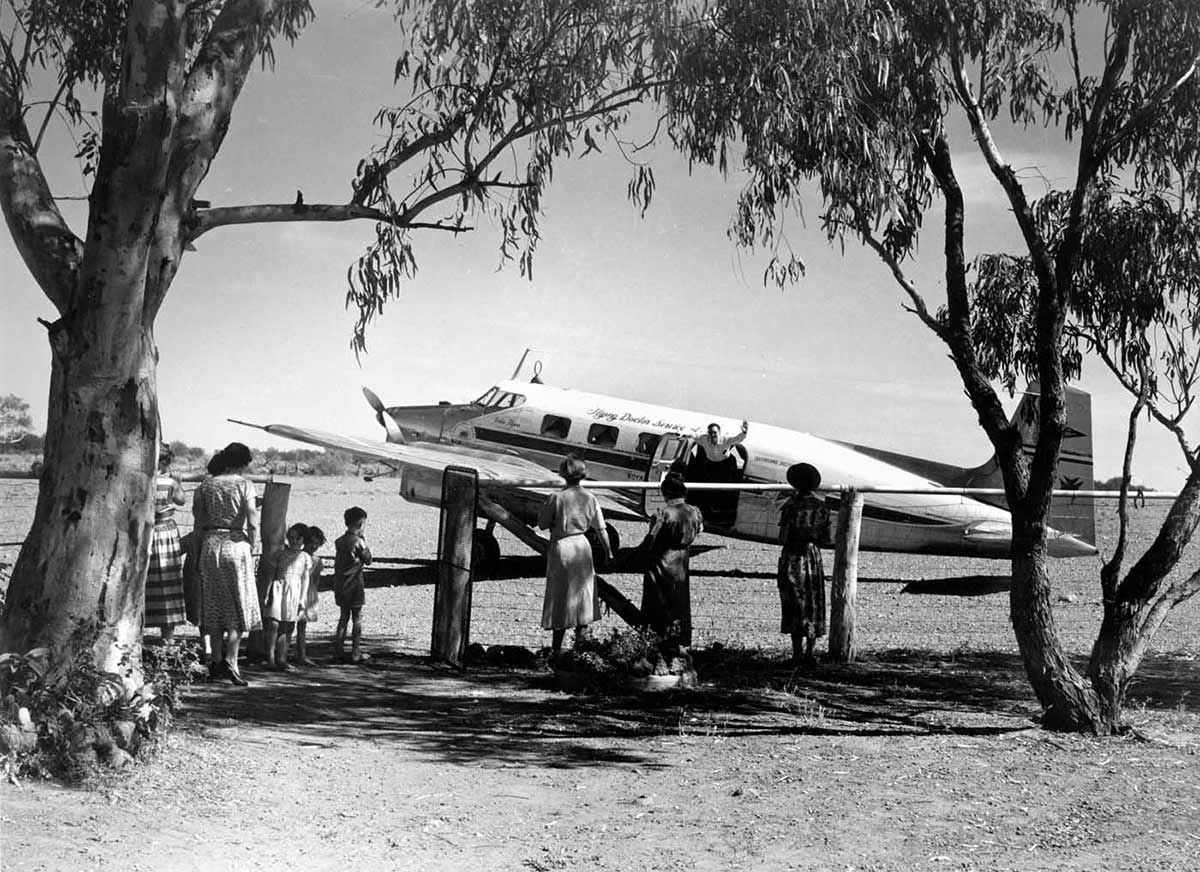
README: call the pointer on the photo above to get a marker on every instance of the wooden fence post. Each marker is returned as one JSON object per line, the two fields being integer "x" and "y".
{"x": 272, "y": 530}
{"x": 273, "y": 516}
{"x": 843, "y": 598}
{"x": 452, "y": 594}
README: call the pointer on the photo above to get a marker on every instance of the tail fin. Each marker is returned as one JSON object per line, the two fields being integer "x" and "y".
{"x": 1074, "y": 515}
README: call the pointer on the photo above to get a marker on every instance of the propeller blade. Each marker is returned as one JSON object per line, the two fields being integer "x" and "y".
{"x": 389, "y": 424}
{"x": 373, "y": 399}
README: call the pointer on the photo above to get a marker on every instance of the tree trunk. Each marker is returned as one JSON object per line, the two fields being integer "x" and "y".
{"x": 1068, "y": 701}
{"x": 80, "y": 577}
{"x": 1115, "y": 657}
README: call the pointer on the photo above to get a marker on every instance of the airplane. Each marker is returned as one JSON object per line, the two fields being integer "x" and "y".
{"x": 517, "y": 432}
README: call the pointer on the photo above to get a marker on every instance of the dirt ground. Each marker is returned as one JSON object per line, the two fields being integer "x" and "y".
{"x": 900, "y": 762}
{"x": 921, "y": 756}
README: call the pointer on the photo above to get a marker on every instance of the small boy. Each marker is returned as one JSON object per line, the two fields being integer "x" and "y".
{"x": 351, "y": 554}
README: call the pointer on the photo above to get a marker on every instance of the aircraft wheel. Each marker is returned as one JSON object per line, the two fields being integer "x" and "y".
{"x": 485, "y": 553}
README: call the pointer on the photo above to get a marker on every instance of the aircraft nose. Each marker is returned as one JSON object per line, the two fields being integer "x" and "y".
{"x": 429, "y": 422}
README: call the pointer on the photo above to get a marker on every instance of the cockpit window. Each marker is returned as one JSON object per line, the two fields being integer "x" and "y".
{"x": 494, "y": 398}
{"x": 487, "y": 397}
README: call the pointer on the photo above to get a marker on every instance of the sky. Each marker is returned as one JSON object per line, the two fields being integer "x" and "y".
{"x": 661, "y": 308}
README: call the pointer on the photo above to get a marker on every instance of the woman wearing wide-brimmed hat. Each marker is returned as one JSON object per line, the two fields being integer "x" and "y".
{"x": 803, "y": 528}
{"x": 570, "y": 599}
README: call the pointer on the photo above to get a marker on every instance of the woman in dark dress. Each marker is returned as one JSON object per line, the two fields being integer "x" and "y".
{"x": 803, "y": 528}
{"x": 666, "y": 591}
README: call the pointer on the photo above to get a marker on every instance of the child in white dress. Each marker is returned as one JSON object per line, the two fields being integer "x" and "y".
{"x": 313, "y": 539}
{"x": 285, "y": 596}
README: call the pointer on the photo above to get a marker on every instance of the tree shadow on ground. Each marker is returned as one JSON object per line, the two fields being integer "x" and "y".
{"x": 511, "y": 717}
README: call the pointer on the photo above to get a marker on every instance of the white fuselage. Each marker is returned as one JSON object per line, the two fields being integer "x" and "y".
{"x": 624, "y": 440}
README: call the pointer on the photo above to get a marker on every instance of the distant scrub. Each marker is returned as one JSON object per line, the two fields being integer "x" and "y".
{"x": 192, "y": 458}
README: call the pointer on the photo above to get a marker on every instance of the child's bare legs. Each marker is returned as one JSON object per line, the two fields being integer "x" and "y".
{"x": 556, "y": 640}
{"x": 356, "y": 635}
{"x": 271, "y": 637}
{"x": 339, "y": 635}
{"x": 280, "y": 649}
{"x": 302, "y": 644}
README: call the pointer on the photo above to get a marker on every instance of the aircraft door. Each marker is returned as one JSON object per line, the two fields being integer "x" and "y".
{"x": 672, "y": 452}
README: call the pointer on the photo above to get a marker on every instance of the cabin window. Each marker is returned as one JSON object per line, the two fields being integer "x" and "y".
{"x": 648, "y": 442}
{"x": 511, "y": 401}
{"x": 602, "y": 435}
{"x": 556, "y": 427}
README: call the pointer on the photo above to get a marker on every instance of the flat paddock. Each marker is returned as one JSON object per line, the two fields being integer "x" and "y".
{"x": 921, "y": 756}
{"x": 733, "y": 583}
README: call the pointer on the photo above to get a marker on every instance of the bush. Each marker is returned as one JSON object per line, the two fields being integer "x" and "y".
{"x": 77, "y": 722}
{"x": 635, "y": 653}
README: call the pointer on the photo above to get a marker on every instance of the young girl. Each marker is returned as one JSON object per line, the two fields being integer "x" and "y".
{"x": 285, "y": 596}
{"x": 313, "y": 539}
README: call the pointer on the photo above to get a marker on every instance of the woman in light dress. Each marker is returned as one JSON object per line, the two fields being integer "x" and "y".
{"x": 570, "y": 599}
{"x": 226, "y": 514}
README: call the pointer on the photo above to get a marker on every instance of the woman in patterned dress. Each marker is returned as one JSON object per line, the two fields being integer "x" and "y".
{"x": 227, "y": 517}
{"x": 666, "y": 592}
{"x": 803, "y": 528}
{"x": 570, "y": 599}
{"x": 164, "y": 576}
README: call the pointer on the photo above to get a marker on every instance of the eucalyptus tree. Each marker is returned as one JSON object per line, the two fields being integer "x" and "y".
{"x": 492, "y": 95}
{"x": 15, "y": 421}
{"x": 854, "y": 104}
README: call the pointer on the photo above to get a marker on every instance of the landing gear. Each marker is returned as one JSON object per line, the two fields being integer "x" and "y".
{"x": 485, "y": 552}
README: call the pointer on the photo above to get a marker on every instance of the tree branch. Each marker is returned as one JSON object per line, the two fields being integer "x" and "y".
{"x": 37, "y": 142}
{"x": 204, "y": 220}
{"x": 919, "y": 308}
{"x": 1042, "y": 262}
{"x": 380, "y": 172}
{"x": 1138, "y": 118}
{"x": 1110, "y": 572}
{"x": 1172, "y": 424}
{"x": 212, "y": 87}
{"x": 1051, "y": 303}
{"x": 49, "y": 249}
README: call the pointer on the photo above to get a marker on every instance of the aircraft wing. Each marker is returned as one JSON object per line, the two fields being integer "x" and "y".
{"x": 433, "y": 458}
{"x": 491, "y": 466}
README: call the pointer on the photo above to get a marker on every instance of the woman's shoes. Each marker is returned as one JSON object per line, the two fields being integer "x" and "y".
{"x": 222, "y": 669}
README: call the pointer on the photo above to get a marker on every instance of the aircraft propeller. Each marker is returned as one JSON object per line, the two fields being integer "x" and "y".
{"x": 394, "y": 434}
